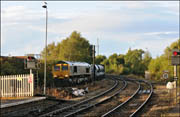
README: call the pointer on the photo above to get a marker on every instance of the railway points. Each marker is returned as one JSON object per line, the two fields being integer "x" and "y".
{"x": 101, "y": 109}
{"x": 134, "y": 104}
{"x": 64, "y": 109}
{"x": 121, "y": 86}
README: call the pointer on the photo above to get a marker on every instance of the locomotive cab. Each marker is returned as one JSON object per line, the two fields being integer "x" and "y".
{"x": 61, "y": 71}
{"x": 67, "y": 69}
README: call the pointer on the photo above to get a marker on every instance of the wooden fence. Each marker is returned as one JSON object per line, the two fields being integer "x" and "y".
{"x": 17, "y": 85}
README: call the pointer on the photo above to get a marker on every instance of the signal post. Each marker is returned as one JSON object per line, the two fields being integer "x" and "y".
{"x": 92, "y": 55}
{"x": 31, "y": 63}
{"x": 175, "y": 60}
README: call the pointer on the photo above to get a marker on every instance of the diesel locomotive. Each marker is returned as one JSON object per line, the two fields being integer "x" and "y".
{"x": 76, "y": 72}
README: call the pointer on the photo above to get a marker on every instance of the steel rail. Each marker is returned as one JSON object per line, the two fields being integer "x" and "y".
{"x": 79, "y": 103}
{"x": 112, "y": 110}
{"x": 140, "y": 107}
{"x": 95, "y": 104}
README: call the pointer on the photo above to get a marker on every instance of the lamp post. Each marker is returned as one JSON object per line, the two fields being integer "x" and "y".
{"x": 45, "y": 6}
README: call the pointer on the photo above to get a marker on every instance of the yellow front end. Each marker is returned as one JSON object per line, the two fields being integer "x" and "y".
{"x": 61, "y": 71}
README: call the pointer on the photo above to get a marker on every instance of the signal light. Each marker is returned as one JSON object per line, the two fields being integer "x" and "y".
{"x": 30, "y": 58}
{"x": 175, "y": 53}
{"x": 175, "y": 59}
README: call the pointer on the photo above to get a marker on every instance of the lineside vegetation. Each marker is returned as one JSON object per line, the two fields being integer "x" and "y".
{"x": 77, "y": 48}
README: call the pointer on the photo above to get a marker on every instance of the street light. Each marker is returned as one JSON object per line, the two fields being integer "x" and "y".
{"x": 45, "y": 6}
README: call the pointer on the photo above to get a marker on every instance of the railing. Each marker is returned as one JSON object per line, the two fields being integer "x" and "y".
{"x": 17, "y": 85}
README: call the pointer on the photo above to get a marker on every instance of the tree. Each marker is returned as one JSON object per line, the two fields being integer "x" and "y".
{"x": 73, "y": 48}
{"x": 114, "y": 64}
{"x": 146, "y": 59}
{"x": 99, "y": 59}
{"x": 51, "y": 52}
{"x": 7, "y": 69}
{"x": 12, "y": 66}
{"x": 106, "y": 64}
{"x": 133, "y": 60}
{"x": 160, "y": 64}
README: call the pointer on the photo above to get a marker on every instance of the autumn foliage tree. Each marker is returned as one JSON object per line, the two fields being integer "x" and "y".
{"x": 133, "y": 62}
{"x": 73, "y": 48}
{"x": 99, "y": 59}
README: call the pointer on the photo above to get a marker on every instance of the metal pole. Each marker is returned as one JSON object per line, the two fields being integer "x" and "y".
{"x": 45, "y": 54}
{"x": 94, "y": 64}
{"x": 30, "y": 71}
{"x": 179, "y": 70}
{"x": 97, "y": 46}
{"x": 175, "y": 77}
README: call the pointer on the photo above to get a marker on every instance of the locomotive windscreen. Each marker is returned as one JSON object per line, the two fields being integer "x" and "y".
{"x": 56, "y": 68}
{"x": 65, "y": 67}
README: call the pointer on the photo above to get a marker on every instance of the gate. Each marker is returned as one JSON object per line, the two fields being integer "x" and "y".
{"x": 17, "y": 85}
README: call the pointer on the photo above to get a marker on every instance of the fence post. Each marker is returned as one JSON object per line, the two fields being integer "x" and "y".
{"x": 3, "y": 86}
{"x": 21, "y": 85}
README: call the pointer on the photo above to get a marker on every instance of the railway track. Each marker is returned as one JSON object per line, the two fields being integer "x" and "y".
{"x": 134, "y": 101}
{"x": 85, "y": 104}
{"x": 115, "y": 100}
{"x": 97, "y": 102}
{"x": 133, "y": 104}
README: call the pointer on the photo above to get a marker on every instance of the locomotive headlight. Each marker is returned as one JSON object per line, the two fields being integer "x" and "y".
{"x": 66, "y": 75}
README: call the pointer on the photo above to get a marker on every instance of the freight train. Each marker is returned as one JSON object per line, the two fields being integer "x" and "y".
{"x": 76, "y": 72}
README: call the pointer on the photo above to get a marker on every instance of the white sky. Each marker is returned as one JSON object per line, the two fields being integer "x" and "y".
{"x": 118, "y": 25}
